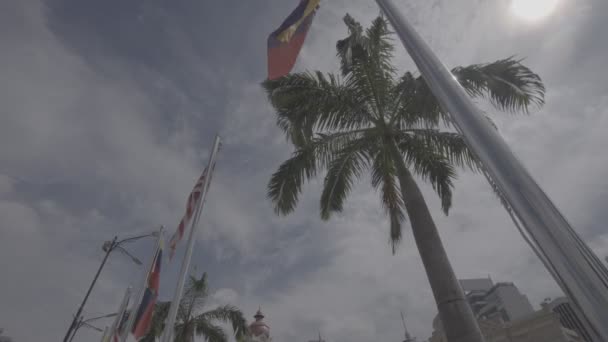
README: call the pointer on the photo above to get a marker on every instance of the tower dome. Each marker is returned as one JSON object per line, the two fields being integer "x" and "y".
{"x": 259, "y": 330}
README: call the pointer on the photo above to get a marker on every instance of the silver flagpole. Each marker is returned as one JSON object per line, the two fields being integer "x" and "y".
{"x": 141, "y": 291}
{"x": 179, "y": 289}
{"x": 575, "y": 270}
{"x": 105, "y": 334}
{"x": 121, "y": 312}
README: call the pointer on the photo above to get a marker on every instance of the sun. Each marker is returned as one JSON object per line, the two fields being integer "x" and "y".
{"x": 533, "y": 10}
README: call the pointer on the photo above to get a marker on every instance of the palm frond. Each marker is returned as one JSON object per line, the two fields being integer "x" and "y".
{"x": 184, "y": 332}
{"x": 343, "y": 171}
{"x": 211, "y": 332}
{"x": 161, "y": 310}
{"x": 415, "y": 104}
{"x": 451, "y": 145}
{"x": 226, "y": 314}
{"x": 307, "y": 102}
{"x": 286, "y": 183}
{"x": 195, "y": 295}
{"x": 430, "y": 165}
{"x": 508, "y": 84}
{"x": 383, "y": 176}
{"x": 380, "y": 47}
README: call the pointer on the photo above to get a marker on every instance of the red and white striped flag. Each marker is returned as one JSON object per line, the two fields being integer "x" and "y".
{"x": 191, "y": 205}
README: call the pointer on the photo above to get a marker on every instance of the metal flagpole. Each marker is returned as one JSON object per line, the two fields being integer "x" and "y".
{"x": 121, "y": 312}
{"x": 575, "y": 270}
{"x": 179, "y": 289}
{"x": 86, "y": 297}
{"x": 104, "y": 337}
{"x": 140, "y": 293}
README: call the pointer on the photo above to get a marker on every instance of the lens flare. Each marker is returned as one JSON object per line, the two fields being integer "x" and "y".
{"x": 533, "y": 10}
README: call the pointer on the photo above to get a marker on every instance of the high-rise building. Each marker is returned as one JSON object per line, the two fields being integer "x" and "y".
{"x": 540, "y": 326}
{"x": 567, "y": 316}
{"x": 506, "y": 315}
{"x": 502, "y": 300}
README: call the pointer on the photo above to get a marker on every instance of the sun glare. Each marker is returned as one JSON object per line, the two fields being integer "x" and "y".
{"x": 533, "y": 10}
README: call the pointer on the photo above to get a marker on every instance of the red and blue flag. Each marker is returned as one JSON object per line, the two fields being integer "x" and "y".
{"x": 285, "y": 43}
{"x": 143, "y": 319}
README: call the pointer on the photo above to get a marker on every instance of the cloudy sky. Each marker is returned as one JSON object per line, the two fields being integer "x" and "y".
{"x": 107, "y": 114}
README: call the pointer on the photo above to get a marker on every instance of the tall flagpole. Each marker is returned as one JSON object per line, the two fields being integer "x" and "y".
{"x": 141, "y": 291}
{"x": 577, "y": 269}
{"x": 179, "y": 289}
{"x": 121, "y": 312}
{"x": 104, "y": 337}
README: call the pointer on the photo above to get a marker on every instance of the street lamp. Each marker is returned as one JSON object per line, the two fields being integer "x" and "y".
{"x": 107, "y": 247}
{"x": 87, "y": 323}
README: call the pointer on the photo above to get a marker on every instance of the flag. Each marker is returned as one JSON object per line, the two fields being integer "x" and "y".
{"x": 106, "y": 335}
{"x": 143, "y": 318}
{"x": 191, "y": 205}
{"x": 285, "y": 43}
{"x": 118, "y": 326}
{"x": 121, "y": 327}
{"x": 179, "y": 289}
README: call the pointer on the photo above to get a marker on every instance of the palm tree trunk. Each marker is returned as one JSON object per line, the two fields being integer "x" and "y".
{"x": 458, "y": 321}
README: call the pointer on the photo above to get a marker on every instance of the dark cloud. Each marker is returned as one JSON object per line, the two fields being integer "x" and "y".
{"x": 108, "y": 111}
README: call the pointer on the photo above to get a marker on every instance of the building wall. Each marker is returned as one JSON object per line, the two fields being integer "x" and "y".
{"x": 542, "y": 326}
{"x": 515, "y": 304}
{"x": 568, "y": 317}
{"x": 503, "y": 301}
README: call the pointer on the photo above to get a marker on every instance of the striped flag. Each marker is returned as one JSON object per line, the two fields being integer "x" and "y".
{"x": 143, "y": 318}
{"x": 191, "y": 206}
{"x": 121, "y": 327}
{"x": 113, "y": 333}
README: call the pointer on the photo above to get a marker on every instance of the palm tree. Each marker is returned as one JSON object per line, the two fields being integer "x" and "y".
{"x": 190, "y": 322}
{"x": 369, "y": 118}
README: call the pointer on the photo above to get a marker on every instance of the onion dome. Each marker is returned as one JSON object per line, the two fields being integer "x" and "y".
{"x": 259, "y": 328}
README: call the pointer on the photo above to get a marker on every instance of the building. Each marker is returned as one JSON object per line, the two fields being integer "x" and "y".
{"x": 568, "y": 316}
{"x": 541, "y": 326}
{"x": 258, "y": 331}
{"x": 506, "y": 315}
{"x": 489, "y": 300}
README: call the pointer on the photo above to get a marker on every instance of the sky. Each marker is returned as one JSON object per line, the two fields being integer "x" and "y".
{"x": 107, "y": 114}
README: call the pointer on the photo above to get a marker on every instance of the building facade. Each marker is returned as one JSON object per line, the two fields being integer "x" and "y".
{"x": 568, "y": 316}
{"x": 502, "y": 300}
{"x": 506, "y": 315}
{"x": 541, "y": 326}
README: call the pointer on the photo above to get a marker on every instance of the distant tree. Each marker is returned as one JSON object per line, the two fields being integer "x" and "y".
{"x": 191, "y": 321}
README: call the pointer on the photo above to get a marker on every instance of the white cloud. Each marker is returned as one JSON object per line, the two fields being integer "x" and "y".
{"x": 86, "y": 154}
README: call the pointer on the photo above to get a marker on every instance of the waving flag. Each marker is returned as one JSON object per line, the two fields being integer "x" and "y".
{"x": 121, "y": 327}
{"x": 285, "y": 43}
{"x": 112, "y": 334}
{"x": 191, "y": 206}
{"x": 143, "y": 319}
